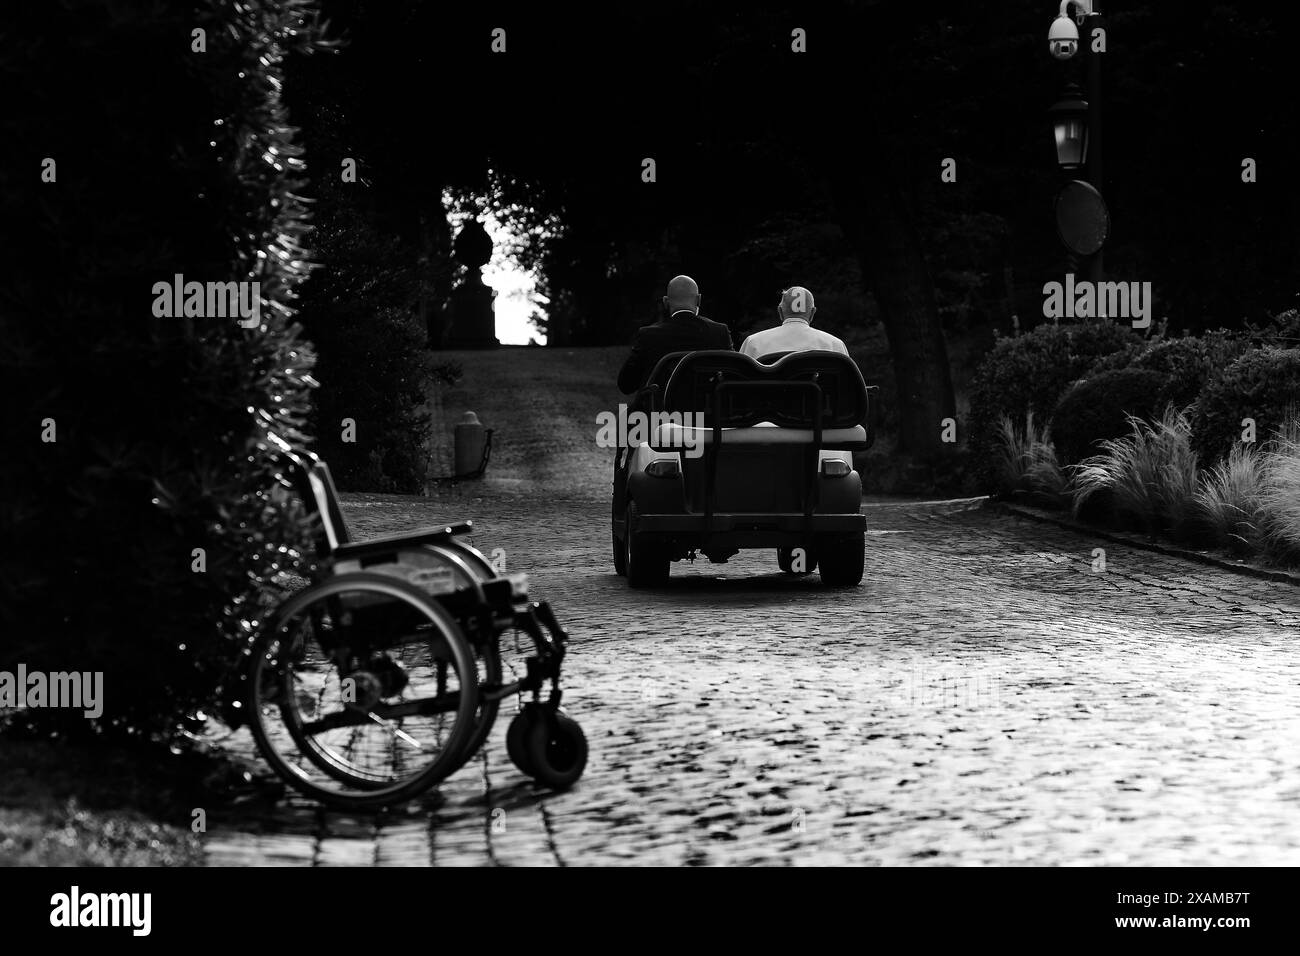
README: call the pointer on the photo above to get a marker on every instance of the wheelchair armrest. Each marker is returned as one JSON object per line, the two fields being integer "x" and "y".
{"x": 357, "y": 549}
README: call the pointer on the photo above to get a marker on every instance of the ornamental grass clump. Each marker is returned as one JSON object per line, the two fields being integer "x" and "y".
{"x": 1150, "y": 475}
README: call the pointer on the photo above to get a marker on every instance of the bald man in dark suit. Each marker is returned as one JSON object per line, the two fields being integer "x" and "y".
{"x": 684, "y": 330}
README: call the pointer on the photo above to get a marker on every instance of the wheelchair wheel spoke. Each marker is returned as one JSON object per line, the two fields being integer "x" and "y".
{"x": 396, "y": 732}
{"x": 365, "y": 691}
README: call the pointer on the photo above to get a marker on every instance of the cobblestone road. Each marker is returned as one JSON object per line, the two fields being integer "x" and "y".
{"x": 985, "y": 697}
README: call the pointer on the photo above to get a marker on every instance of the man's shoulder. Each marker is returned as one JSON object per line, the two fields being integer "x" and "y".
{"x": 654, "y": 328}
{"x": 711, "y": 324}
{"x": 691, "y": 326}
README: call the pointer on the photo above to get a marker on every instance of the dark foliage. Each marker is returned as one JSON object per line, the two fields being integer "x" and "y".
{"x": 375, "y": 371}
{"x": 1263, "y": 384}
{"x": 1284, "y": 329}
{"x": 1188, "y": 363}
{"x": 736, "y": 199}
{"x": 361, "y": 307}
{"x": 1032, "y": 371}
{"x": 1097, "y": 408}
{"x": 168, "y": 429}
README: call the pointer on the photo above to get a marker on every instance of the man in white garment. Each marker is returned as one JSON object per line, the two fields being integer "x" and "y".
{"x": 795, "y": 333}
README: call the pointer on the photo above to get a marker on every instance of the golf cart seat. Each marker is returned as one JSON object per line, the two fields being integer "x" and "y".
{"x": 808, "y": 390}
{"x": 649, "y": 396}
{"x": 671, "y": 435}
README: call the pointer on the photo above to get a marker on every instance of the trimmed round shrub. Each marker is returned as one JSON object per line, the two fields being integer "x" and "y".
{"x": 1032, "y": 371}
{"x": 1119, "y": 359}
{"x": 1097, "y": 408}
{"x": 1261, "y": 384}
{"x": 1188, "y": 363}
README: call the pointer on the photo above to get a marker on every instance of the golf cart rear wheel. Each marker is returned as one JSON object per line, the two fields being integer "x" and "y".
{"x": 647, "y": 562}
{"x": 620, "y": 556}
{"x": 842, "y": 558}
{"x": 785, "y": 560}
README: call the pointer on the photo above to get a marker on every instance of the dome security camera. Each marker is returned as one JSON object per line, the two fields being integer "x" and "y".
{"x": 1063, "y": 38}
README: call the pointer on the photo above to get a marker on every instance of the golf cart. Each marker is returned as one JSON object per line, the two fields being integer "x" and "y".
{"x": 744, "y": 453}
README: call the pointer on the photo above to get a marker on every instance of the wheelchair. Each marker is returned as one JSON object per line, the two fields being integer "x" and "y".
{"x": 385, "y": 675}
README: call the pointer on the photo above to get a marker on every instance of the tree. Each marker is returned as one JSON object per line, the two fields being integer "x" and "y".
{"x": 758, "y": 146}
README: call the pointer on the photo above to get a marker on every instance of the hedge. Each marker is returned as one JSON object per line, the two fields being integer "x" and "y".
{"x": 1096, "y": 409}
{"x": 141, "y": 541}
{"x": 1032, "y": 371}
{"x": 1262, "y": 384}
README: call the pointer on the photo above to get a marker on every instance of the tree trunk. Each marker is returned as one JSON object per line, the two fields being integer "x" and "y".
{"x": 435, "y": 271}
{"x": 876, "y": 215}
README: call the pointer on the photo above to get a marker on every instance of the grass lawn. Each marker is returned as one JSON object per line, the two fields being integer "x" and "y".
{"x": 542, "y": 405}
{"x": 64, "y": 805}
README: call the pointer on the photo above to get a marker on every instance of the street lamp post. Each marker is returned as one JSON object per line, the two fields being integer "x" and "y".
{"x": 1076, "y": 121}
{"x": 1094, "y": 123}
{"x": 1070, "y": 126}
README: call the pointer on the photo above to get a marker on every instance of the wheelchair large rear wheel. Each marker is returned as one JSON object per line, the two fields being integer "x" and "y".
{"x": 363, "y": 691}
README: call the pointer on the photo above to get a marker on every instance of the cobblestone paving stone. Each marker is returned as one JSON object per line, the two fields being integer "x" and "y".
{"x": 984, "y": 698}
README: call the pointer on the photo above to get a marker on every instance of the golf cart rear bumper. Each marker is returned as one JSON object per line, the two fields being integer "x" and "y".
{"x": 749, "y": 530}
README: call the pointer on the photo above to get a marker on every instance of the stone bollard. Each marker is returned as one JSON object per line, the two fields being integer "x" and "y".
{"x": 470, "y": 440}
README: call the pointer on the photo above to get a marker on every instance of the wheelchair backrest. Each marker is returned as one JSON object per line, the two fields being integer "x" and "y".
{"x": 780, "y": 392}
{"x": 314, "y": 483}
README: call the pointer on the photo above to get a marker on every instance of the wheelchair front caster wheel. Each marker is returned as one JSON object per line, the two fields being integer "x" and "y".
{"x": 556, "y": 749}
{"x": 517, "y": 737}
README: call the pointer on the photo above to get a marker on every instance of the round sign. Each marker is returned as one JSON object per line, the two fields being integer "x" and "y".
{"x": 1082, "y": 219}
